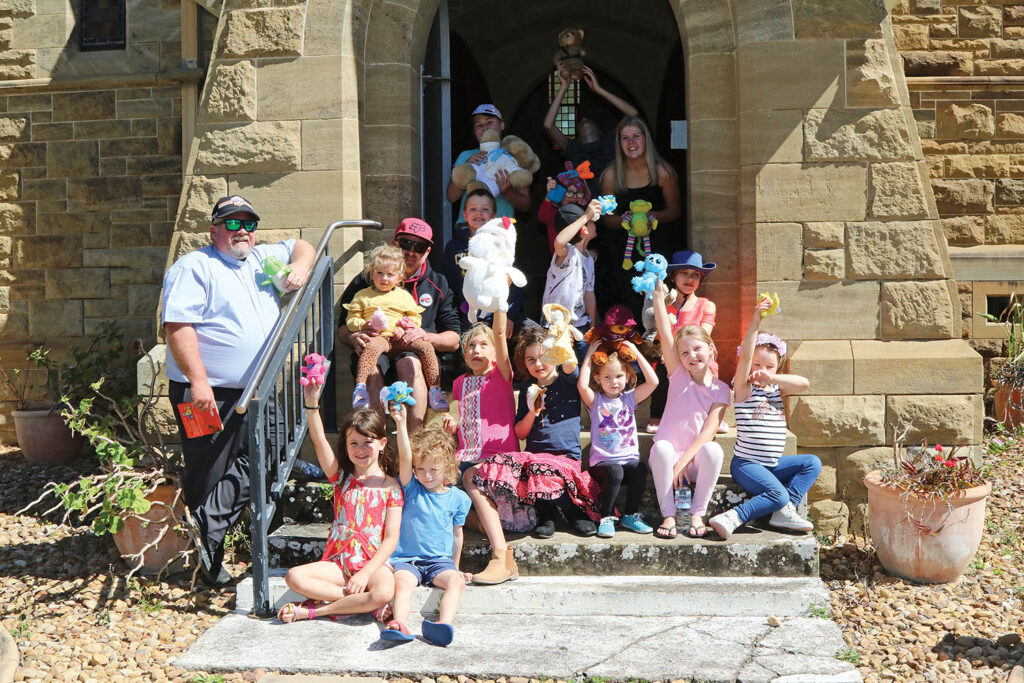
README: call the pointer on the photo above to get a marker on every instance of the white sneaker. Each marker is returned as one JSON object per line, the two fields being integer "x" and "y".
{"x": 725, "y": 523}
{"x": 723, "y": 428}
{"x": 789, "y": 518}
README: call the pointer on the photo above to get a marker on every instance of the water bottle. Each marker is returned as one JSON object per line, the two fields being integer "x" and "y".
{"x": 682, "y": 496}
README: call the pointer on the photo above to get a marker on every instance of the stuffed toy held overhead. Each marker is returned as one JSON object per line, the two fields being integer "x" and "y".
{"x": 315, "y": 369}
{"x": 638, "y": 225}
{"x": 489, "y": 268}
{"x": 617, "y": 327}
{"x": 654, "y": 269}
{"x": 774, "y": 308}
{"x": 557, "y": 348}
{"x": 512, "y": 155}
{"x": 399, "y": 392}
{"x": 570, "y": 54}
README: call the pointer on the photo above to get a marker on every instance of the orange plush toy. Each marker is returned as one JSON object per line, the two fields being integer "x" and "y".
{"x": 616, "y": 328}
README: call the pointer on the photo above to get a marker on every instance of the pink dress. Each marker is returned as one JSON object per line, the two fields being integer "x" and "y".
{"x": 687, "y": 408}
{"x": 698, "y": 315}
{"x": 358, "y": 528}
{"x": 487, "y": 415}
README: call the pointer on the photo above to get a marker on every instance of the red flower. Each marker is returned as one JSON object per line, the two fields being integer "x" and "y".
{"x": 938, "y": 447}
{"x": 951, "y": 463}
{"x": 939, "y": 457}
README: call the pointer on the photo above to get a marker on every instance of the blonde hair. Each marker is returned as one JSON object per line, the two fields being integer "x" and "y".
{"x": 382, "y": 256}
{"x": 595, "y": 384}
{"x": 435, "y": 443}
{"x": 470, "y": 334}
{"x": 697, "y": 332}
{"x": 650, "y": 153}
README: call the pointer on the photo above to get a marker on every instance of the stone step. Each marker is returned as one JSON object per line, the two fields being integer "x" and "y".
{"x": 577, "y": 596}
{"x": 751, "y": 551}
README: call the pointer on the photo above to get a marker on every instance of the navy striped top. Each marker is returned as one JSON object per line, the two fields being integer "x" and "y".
{"x": 761, "y": 426}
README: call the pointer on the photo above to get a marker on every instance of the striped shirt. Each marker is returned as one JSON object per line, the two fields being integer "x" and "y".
{"x": 761, "y": 426}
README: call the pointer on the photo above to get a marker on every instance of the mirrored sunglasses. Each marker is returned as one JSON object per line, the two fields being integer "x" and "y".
{"x": 412, "y": 245}
{"x": 235, "y": 224}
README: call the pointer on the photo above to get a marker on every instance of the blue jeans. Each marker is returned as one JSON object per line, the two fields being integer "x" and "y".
{"x": 772, "y": 487}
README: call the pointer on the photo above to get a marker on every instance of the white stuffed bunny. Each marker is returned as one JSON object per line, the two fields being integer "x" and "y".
{"x": 488, "y": 267}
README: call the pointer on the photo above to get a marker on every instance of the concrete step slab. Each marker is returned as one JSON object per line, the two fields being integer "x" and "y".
{"x": 648, "y": 596}
{"x": 749, "y": 552}
{"x": 715, "y": 649}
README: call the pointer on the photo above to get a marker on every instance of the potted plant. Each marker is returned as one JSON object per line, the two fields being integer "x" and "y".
{"x": 926, "y": 512}
{"x": 1009, "y": 378}
{"x": 42, "y": 435}
{"x": 136, "y": 495}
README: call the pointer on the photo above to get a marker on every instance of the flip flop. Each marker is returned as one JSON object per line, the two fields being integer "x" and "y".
{"x": 666, "y": 532}
{"x": 400, "y": 634}
{"x": 438, "y": 633}
{"x": 697, "y": 531}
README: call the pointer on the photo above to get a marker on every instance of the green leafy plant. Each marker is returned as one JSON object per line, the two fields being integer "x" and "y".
{"x": 1011, "y": 321}
{"x": 206, "y": 678}
{"x": 39, "y": 378}
{"x": 133, "y": 460}
{"x": 819, "y": 611}
{"x": 848, "y": 655}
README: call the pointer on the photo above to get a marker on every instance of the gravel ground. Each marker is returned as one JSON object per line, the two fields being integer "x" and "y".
{"x": 75, "y": 619}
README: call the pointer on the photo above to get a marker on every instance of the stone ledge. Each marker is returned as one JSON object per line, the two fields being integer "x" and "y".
{"x": 947, "y": 366}
{"x": 828, "y": 365}
{"x": 987, "y": 263}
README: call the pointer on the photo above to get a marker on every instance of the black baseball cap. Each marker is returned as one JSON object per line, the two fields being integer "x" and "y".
{"x": 226, "y": 206}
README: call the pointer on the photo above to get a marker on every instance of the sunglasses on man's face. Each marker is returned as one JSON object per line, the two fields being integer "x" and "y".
{"x": 236, "y": 224}
{"x": 412, "y": 245}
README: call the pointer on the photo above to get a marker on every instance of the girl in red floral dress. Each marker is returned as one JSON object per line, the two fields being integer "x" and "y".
{"x": 354, "y": 575}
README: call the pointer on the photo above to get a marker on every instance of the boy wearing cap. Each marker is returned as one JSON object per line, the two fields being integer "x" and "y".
{"x": 440, "y": 323}
{"x": 218, "y": 318}
{"x": 487, "y": 117}
{"x": 570, "y": 279}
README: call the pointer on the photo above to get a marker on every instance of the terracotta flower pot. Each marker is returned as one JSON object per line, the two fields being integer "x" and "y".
{"x": 44, "y": 438}
{"x": 1009, "y": 406}
{"x": 134, "y": 536}
{"x": 921, "y": 539}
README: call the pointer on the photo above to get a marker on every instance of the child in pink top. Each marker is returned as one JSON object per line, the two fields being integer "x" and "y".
{"x": 684, "y": 449}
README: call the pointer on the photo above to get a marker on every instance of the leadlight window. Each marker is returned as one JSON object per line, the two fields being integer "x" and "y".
{"x": 101, "y": 25}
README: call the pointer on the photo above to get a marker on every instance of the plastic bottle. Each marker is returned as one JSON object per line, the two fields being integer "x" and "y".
{"x": 683, "y": 497}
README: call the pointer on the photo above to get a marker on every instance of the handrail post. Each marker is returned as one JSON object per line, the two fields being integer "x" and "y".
{"x": 259, "y": 525}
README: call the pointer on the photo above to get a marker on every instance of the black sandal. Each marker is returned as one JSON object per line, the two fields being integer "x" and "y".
{"x": 666, "y": 532}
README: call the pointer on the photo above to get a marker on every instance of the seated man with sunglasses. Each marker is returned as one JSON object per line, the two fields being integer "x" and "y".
{"x": 218, "y": 317}
{"x": 440, "y": 325}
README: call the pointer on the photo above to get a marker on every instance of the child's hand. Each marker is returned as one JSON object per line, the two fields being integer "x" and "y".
{"x": 467, "y": 576}
{"x": 449, "y": 425}
{"x": 630, "y": 346}
{"x": 661, "y": 288}
{"x": 357, "y": 584}
{"x": 398, "y": 413}
{"x": 593, "y": 210}
{"x": 680, "y": 479}
{"x": 311, "y": 393}
{"x": 763, "y": 304}
{"x": 761, "y": 378}
{"x": 550, "y": 184}
{"x": 398, "y": 332}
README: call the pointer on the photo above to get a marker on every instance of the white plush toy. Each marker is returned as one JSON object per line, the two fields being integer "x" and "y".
{"x": 488, "y": 267}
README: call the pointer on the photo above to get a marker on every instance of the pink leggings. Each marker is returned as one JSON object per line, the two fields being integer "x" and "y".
{"x": 703, "y": 472}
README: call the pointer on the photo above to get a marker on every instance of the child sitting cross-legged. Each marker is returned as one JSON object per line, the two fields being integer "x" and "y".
{"x": 430, "y": 542}
{"x": 777, "y": 482}
{"x": 385, "y": 310}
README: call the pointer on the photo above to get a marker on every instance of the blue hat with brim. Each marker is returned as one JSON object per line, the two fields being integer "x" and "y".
{"x": 692, "y": 260}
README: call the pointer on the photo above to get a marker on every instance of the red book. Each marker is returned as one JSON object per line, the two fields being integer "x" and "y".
{"x": 199, "y": 422}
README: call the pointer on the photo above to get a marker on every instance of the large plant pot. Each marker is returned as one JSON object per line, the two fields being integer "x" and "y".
{"x": 1009, "y": 406}
{"x": 922, "y": 539}
{"x": 134, "y": 536}
{"x": 44, "y": 438}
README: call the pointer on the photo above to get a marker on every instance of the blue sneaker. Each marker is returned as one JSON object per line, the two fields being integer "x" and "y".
{"x": 606, "y": 528}
{"x": 635, "y": 522}
{"x": 360, "y": 397}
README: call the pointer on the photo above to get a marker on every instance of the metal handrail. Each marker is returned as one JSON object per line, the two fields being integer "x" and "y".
{"x": 289, "y": 312}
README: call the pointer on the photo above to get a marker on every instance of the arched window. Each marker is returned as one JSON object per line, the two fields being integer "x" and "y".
{"x": 565, "y": 119}
{"x": 101, "y": 25}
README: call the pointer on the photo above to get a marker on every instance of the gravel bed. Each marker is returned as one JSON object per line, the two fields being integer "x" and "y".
{"x": 74, "y": 618}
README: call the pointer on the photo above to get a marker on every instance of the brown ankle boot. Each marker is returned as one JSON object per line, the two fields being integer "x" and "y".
{"x": 500, "y": 569}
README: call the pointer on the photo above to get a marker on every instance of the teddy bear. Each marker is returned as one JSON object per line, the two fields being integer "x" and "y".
{"x": 638, "y": 224}
{"x": 315, "y": 369}
{"x": 617, "y": 327}
{"x": 512, "y": 154}
{"x": 570, "y": 54}
{"x": 488, "y": 266}
{"x": 557, "y": 347}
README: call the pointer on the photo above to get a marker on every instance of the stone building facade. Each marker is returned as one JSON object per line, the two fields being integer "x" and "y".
{"x": 816, "y": 169}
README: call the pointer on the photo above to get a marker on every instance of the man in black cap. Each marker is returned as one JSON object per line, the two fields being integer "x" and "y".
{"x": 218, "y": 318}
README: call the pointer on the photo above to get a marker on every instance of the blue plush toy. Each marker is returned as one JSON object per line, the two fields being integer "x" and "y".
{"x": 608, "y": 204}
{"x": 654, "y": 268}
{"x": 399, "y": 392}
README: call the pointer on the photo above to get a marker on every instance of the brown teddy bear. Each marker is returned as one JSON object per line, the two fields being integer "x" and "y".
{"x": 512, "y": 154}
{"x": 570, "y": 53}
{"x": 616, "y": 328}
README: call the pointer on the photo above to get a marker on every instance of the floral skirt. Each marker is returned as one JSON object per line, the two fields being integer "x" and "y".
{"x": 516, "y": 481}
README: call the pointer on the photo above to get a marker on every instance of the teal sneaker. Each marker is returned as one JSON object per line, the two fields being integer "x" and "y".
{"x": 607, "y": 528}
{"x": 635, "y": 523}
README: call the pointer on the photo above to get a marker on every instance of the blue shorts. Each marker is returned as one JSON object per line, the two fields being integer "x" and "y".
{"x": 425, "y": 571}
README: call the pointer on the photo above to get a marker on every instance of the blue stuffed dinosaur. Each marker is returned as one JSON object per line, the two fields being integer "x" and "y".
{"x": 399, "y": 392}
{"x": 654, "y": 268}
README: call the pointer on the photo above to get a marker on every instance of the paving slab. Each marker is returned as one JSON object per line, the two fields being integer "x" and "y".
{"x": 718, "y": 649}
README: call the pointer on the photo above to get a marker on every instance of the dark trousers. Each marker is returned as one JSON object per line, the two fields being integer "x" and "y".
{"x": 216, "y": 476}
{"x": 611, "y": 476}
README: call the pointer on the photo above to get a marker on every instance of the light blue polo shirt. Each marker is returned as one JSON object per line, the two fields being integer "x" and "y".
{"x": 232, "y": 312}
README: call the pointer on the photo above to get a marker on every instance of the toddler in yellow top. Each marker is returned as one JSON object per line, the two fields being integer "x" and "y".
{"x": 389, "y": 314}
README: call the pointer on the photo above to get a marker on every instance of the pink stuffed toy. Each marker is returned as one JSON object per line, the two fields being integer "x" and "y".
{"x": 378, "y": 321}
{"x": 315, "y": 369}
